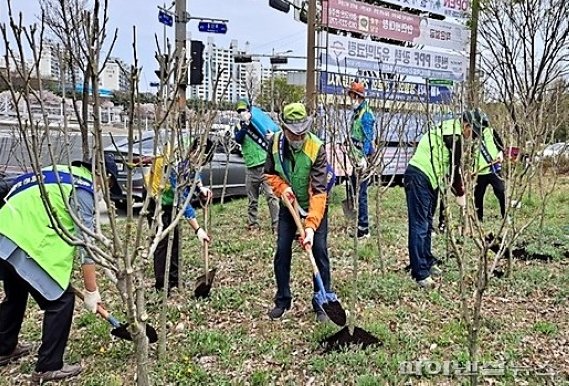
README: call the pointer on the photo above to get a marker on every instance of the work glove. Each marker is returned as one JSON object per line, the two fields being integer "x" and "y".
{"x": 362, "y": 164}
{"x": 308, "y": 238}
{"x": 500, "y": 157}
{"x": 269, "y": 135}
{"x": 91, "y": 300}
{"x": 245, "y": 117}
{"x": 461, "y": 201}
{"x": 202, "y": 236}
{"x": 206, "y": 193}
{"x": 289, "y": 194}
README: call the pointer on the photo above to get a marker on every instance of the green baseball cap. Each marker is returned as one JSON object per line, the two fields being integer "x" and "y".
{"x": 242, "y": 104}
{"x": 295, "y": 119}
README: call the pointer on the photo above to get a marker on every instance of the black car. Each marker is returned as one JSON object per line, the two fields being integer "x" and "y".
{"x": 213, "y": 173}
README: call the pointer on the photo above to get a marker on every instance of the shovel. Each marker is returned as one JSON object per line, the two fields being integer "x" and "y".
{"x": 205, "y": 281}
{"x": 120, "y": 330}
{"x": 326, "y": 300}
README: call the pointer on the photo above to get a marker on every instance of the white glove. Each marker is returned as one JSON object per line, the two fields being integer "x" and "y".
{"x": 91, "y": 300}
{"x": 362, "y": 164}
{"x": 308, "y": 238}
{"x": 500, "y": 157}
{"x": 461, "y": 201}
{"x": 269, "y": 135}
{"x": 288, "y": 193}
{"x": 202, "y": 236}
{"x": 245, "y": 117}
{"x": 206, "y": 193}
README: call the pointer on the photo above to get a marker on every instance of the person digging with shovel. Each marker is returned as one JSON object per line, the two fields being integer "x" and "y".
{"x": 154, "y": 183}
{"x": 438, "y": 154}
{"x": 35, "y": 260}
{"x": 297, "y": 169}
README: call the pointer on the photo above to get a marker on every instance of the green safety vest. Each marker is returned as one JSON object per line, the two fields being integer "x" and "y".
{"x": 481, "y": 165}
{"x": 357, "y": 132}
{"x": 253, "y": 154}
{"x": 432, "y": 156}
{"x": 299, "y": 177}
{"x": 26, "y": 222}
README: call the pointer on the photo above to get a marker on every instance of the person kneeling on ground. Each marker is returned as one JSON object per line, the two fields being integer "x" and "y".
{"x": 154, "y": 181}
{"x": 36, "y": 260}
{"x": 297, "y": 169}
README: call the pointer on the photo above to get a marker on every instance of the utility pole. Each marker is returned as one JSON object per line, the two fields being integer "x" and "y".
{"x": 311, "y": 57}
{"x": 472, "y": 84}
{"x": 181, "y": 20}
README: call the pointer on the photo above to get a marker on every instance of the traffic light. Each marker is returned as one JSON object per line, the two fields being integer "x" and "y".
{"x": 196, "y": 64}
{"x": 242, "y": 59}
{"x": 162, "y": 66}
{"x": 281, "y": 5}
{"x": 279, "y": 60}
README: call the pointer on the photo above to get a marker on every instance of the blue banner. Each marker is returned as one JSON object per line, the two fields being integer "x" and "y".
{"x": 335, "y": 83}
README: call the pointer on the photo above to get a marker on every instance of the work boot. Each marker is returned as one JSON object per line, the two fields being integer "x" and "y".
{"x": 426, "y": 283}
{"x": 362, "y": 235}
{"x": 321, "y": 316}
{"x": 20, "y": 351}
{"x": 276, "y": 313}
{"x": 67, "y": 371}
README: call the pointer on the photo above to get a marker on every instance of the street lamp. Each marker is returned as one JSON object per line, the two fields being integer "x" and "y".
{"x": 276, "y": 59}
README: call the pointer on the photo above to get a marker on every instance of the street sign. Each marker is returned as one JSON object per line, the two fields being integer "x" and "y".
{"x": 216, "y": 28}
{"x": 154, "y": 84}
{"x": 165, "y": 18}
{"x": 441, "y": 82}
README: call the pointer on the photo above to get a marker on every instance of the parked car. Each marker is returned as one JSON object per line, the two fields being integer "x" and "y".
{"x": 560, "y": 149}
{"x": 212, "y": 174}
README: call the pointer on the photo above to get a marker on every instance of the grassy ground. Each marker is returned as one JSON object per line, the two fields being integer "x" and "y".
{"x": 229, "y": 340}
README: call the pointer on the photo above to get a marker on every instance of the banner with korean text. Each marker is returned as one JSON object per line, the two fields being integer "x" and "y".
{"x": 344, "y": 52}
{"x": 368, "y": 19}
{"x": 335, "y": 83}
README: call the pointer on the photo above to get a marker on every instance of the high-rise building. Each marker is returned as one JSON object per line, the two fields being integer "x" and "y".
{"x": 223, "y": 78}
{"x": 114, "y": 76}
{"x": 50, "y": 64}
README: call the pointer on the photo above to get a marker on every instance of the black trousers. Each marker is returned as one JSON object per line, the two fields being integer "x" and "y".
{"x": 57, "y": 318}
{"x": 162, "y": 249}
{"x": 482, "y": 182}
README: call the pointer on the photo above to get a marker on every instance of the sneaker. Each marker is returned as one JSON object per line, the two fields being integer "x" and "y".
{"x": 436, "y": 271}
{"x": 426, "y": 283}
{"x": 20, "y": 351}
{"x": 442, "y": 227}
{"x": 321, "y": 317}
{"x": 362, "y": 235}
{"x": 67, "y": 371}
{"x": 276, "y": 313}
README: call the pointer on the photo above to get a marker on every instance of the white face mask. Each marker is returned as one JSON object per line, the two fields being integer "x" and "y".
{"x": 355, "y": 103}
{"x": 244, "y": 115}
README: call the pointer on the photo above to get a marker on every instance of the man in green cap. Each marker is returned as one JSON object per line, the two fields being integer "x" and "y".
{"x": 254, "y": 147}
{"x": 438, "y": 155}
{"x": 297, "y": 169}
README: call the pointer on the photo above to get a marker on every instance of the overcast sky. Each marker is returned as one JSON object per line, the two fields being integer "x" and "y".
{"x": 249, "y": 20}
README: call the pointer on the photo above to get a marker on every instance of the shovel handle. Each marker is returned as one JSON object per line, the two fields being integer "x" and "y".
{"x": 296, "y": 217}
{"x": 100, "y": 310}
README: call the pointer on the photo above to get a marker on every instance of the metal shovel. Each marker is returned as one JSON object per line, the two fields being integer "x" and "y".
{"x": 120, "y": 330}
{"x": 205, "y": 281}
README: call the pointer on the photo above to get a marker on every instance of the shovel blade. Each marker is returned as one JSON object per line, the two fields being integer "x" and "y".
{"x": 122, "y": 332}
{"x": 203, "y": 285}
{"x": 335, "y": 312}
